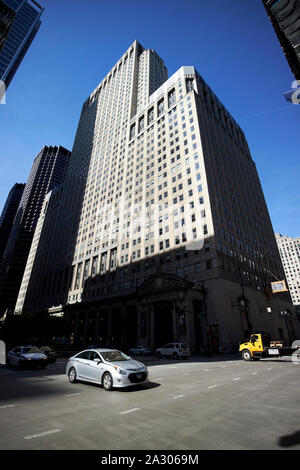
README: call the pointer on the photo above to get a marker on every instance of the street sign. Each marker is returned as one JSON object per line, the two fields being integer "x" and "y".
{"x": 278, "y": 286}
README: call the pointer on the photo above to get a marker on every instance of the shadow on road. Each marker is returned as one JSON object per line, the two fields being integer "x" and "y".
{"x": 139, "y": 387}
{"x": 290, "y": 440}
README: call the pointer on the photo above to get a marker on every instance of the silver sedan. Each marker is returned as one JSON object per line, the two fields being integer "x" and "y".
{"x": 108, "y": 367}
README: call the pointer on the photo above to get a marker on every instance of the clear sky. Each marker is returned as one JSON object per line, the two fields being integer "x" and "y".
{"x": 231, "y": 43}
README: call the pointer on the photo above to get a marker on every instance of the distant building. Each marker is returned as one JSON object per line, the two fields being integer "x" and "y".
{"x": 285, "y": 18}
{"x": 161, "y": 231}
{"x": 19, "y": 23}
{"x": 8, "y": 214}
{"x": 48, "y": 170}
{"x": 289, "y": 249}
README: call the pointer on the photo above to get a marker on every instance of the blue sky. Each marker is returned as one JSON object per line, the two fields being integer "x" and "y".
{"x": 232, "y": 44}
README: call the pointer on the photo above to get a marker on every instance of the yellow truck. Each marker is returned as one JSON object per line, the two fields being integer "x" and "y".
{"x": 259, "y": 346}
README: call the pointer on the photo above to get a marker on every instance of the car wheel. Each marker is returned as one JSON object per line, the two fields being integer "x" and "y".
{"x": 107, "y": 381}
{"x": 246, "y": 355}
{"x": 72, "y": 375}
{"x": 175, "y": 355}
{"x": 20, "y": 364}
{"x": 158, "y": 355}
{"x": 8, "y": 363}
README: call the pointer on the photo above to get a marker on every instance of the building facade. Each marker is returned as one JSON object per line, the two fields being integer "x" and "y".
{"x": 20, "y": 21}
{"x": 8, "y": 214}
{"x": 285, "y": 18}
{"x": 161, "y": 231}
{"x": 48, "y": 170}
{"x": 289, "y": 249}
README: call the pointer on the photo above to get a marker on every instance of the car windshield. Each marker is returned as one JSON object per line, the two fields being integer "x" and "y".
{"x": 30, "y": 350}
{"x": 46, "y": 348}
{"x": 114, "y": 356}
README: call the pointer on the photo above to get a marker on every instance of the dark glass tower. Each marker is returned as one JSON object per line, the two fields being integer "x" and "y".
{"x": 285, "y": 18}
{"x": 19, "y": 23}
{"x": 8, "y": 214}
{"x": 47, "y": 172}
{"x": 6, "y": 19}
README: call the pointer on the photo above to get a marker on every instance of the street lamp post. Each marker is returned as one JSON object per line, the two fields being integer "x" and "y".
{"x": 286, "y": 314}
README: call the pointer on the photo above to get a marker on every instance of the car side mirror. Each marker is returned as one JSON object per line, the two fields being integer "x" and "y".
{"x": 97, "y": 360}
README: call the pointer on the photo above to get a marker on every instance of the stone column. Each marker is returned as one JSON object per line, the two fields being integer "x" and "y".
{"x": 123, "y": 327}
{"x": 151, "y": 326}
{"x": 86, "y": 325}
{"x": 76, "y": 329}
{"x": 189, "y": 322}
{"x": 175, "y": 322}
{"x": 139, "y": 326}
{"x": 97, "y": 328}
{"x": 109, "y": 328}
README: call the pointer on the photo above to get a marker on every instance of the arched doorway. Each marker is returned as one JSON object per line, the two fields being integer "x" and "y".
{"x": 163, "y": 323}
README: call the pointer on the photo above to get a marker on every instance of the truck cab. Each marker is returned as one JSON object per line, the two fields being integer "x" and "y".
{"x": 252, "y": 349}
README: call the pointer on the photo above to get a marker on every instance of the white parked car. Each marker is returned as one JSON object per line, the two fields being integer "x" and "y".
{"x": 108, "y": 367}
{"x": 29, "y": 356}
{"x": 173, "y": 350}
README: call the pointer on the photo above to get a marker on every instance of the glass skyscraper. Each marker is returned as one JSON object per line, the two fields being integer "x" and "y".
{"x": 20, "y": 31}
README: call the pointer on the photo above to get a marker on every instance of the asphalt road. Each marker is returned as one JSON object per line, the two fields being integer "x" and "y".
{"x": 187, "y": 405}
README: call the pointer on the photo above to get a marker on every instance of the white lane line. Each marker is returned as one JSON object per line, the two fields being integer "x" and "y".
{"x": 73, "y": 394}
{"x": 178, "y": 396}
{"x": 128, "y": 411}
{"x": 41, "y": 434}
{"x": 237, "y": 378}
{"x": 2, "y": 407}
{"x": 212, "y": 386}
{"x": 254, "y": 373}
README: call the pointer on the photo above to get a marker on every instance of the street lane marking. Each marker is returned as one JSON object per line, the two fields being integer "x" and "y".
{"x": 178, "y": 396}
{"x": 212, "y": 386}
{"x": 33, "y": 436}
{"x": 254, "y": 373}
{"x": 237, "y": 378}
{"x": 73, "y": 394}
{"x": 2, "y": 407}
{"x": 128, "y": 411}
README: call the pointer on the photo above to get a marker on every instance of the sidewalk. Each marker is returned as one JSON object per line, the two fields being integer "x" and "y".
{"x": 192, "y": 358}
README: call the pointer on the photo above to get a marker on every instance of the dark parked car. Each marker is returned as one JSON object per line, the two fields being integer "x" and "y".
{"x": 50, "y": 353}
{"x": 140, "y": 350}
{"x": 26, "y": 356}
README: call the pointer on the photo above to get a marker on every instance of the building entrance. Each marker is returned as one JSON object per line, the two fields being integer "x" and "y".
{"x": 163, "y": 323}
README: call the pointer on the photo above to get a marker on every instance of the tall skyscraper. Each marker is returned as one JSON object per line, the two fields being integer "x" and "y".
{"x": 285, "y": 18}
{"x": 8, "y": 214}
{"x": 19, "y": 23}
{"x": 161, "y": 231}
{"x": 48, "y": 170}
{"x": 289, "y": 249}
